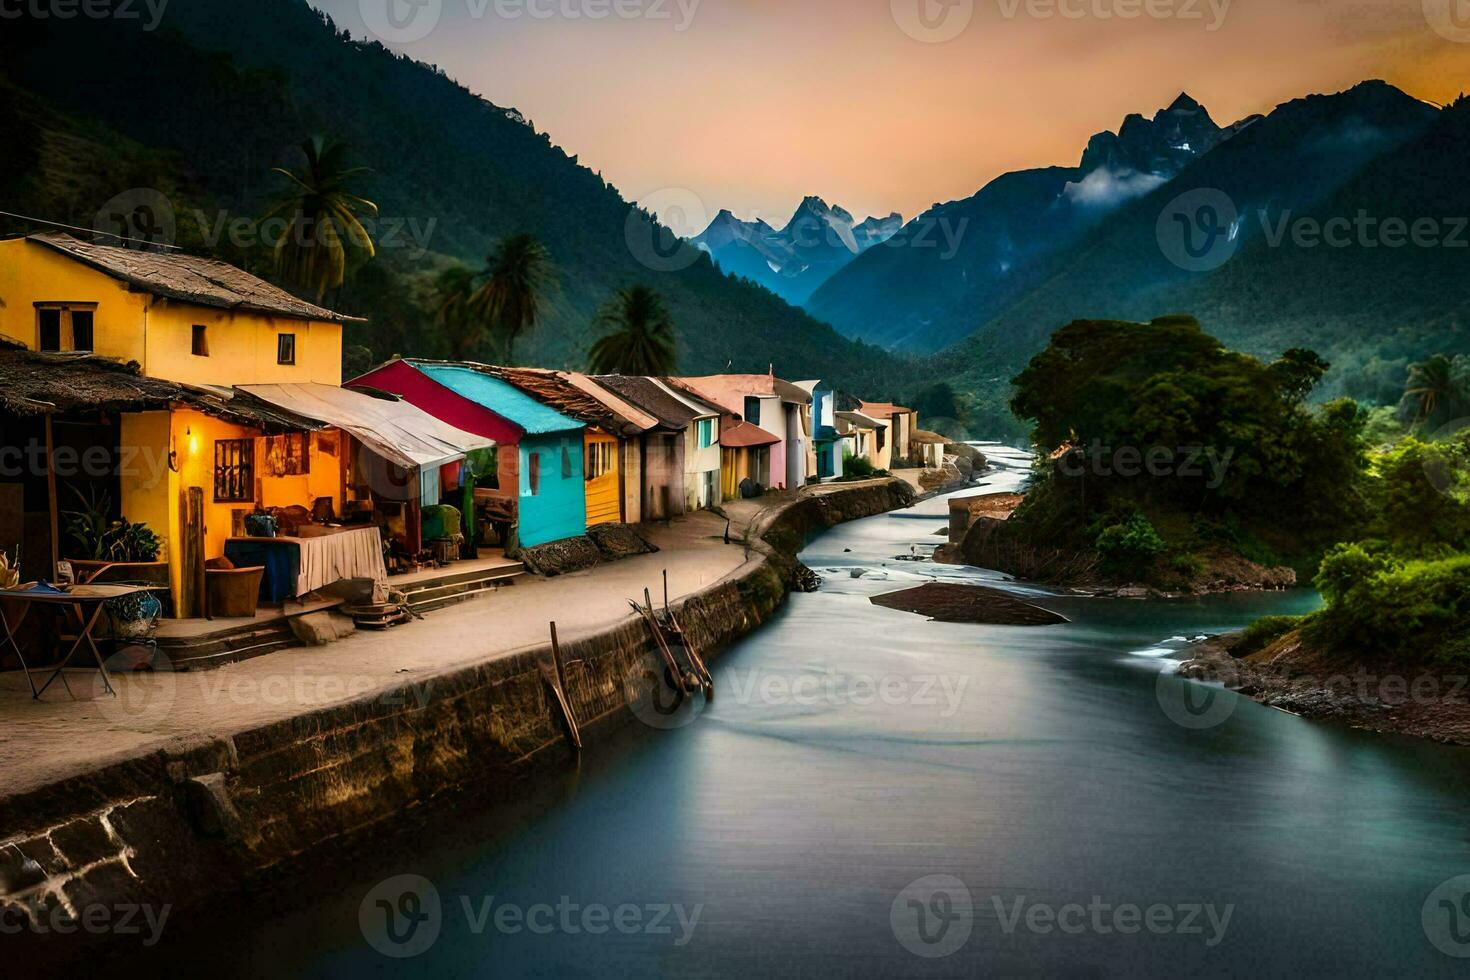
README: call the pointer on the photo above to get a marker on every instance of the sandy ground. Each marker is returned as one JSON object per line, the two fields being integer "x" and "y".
{"x": 58, "y": 737}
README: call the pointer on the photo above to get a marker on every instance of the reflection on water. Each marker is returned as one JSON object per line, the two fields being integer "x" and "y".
{"x": 853, "y": 752}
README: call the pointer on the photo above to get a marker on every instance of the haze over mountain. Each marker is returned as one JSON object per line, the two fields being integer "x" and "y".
{"x": 958, "y": 263}
{"x": 819, "y": 241}
{"x": 200, "y": 110}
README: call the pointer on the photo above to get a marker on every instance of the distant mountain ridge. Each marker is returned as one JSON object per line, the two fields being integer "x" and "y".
{"x": 815, "y": 244}
{"x": 920, "y": 296}
{"x": 1369, "y": 310}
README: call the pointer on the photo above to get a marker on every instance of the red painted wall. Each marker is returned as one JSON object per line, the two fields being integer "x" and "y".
{"x": 421, "y": 391}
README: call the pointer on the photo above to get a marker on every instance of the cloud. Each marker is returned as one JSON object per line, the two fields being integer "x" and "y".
{"x": 1105, "y": 189}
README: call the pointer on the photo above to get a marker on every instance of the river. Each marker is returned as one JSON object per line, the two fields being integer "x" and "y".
{"x": 873, "y": 794}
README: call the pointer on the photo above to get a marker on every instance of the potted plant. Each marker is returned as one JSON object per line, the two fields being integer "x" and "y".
{"x": 124, "y": 551}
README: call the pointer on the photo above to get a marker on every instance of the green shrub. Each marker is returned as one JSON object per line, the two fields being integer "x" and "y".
{"x": 1412, "y": 612}
{"x": 1264, "y": 632}
{"x": 1129, "y": 548}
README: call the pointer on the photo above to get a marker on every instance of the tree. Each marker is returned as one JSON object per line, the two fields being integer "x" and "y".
{"x": 1435, "y": 385}
{"x": 642, "y": 337}
{"x": 454, "y": 290}
{"x": 323, "y": 219}
{"x": 518, "y": 278}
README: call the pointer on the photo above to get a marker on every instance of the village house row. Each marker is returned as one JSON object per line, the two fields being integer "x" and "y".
{"x": 191, "y": 399}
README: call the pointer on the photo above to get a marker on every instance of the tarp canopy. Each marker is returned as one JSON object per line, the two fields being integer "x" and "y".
{"x": 393, "y": 429}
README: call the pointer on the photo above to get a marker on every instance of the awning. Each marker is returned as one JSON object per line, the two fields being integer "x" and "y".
{"x": 392, "y": 428}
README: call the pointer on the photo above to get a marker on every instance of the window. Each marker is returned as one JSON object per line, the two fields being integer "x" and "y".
{"x": 286, "y": 348}
{"x": 64, "y": 327}
{"x": 81, "y": 330}
{"x": 882, "y": 439}
{"x": 533, "y": 474}
{"x": 753, "y": 411}
{"x": 234, "y": 471}
{"x": 599, "y": 460}
{"x": 706, "y": 433}
{"x": 50, "y": 329}
{"x": 200, "y": 347}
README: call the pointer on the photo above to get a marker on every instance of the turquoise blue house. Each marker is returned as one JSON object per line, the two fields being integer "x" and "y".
{"x": 539, "y": 463}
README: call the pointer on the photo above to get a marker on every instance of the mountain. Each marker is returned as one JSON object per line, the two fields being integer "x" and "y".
{"x": 1308, "y": 154}
{"x": 960, "y": 263}
{"x": 196, "y": 114}
{"x": 819, "y": 241}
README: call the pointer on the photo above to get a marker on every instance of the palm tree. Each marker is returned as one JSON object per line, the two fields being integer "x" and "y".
{"x": 1432, "y": 384}
{"x": 642, "y": 337}
{"x": 518, "y": 278}
{"x": 324, "y": 219}
{"x": 455, "y": 291}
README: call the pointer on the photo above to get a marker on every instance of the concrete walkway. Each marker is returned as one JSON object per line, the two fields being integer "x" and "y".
{"x": 57, "y": 738}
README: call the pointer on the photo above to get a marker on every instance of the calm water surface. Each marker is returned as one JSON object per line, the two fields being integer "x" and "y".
{"x": 1034, "y": 767}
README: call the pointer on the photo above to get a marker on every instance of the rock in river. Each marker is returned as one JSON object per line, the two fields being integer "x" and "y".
{"x": 950, "y": 603}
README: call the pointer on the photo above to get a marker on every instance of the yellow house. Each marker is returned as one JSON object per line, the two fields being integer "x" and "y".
{"x": 180, "y": 317}
{"x": 198, "y": 322}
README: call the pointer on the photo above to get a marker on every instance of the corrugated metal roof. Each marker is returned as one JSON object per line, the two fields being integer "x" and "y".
{"x": 501, "y": 397}
{"x": 392, "y": 428}
{"x": 189, "y": 278}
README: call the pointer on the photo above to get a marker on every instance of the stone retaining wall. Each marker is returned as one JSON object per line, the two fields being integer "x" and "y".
{"x": 176, "y": 826}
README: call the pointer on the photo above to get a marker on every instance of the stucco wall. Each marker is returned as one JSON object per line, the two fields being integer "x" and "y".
{"x": 158, "y": 333}
{"x": 559, "y": 509}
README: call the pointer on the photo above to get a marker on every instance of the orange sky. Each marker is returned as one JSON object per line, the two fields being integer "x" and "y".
{"x": 756, "y": 103}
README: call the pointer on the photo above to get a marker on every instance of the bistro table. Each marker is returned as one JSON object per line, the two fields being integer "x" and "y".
{"x": 85, "y": 602}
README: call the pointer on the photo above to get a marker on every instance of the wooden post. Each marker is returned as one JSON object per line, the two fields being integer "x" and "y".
{"x": 192, "y": 597}
{"x": 557, "y": 682}
{"x": 51, "y": 498}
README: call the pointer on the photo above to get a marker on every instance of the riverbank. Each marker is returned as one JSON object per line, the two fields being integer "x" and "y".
{"x": 194, "y": 784}
{"x": 1421, "y": 702}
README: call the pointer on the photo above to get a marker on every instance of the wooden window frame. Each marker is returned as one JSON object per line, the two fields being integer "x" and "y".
{"x": 66, "y": 337}
{"x": 199, "y": 340}
{"x": 234, "y": 472}
{"x": 286, "y": 349}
